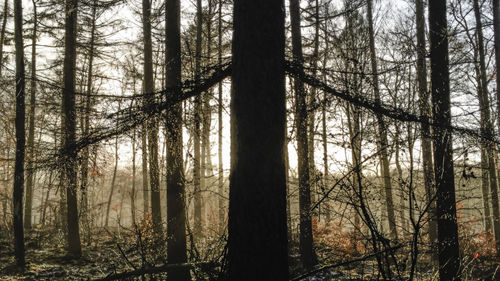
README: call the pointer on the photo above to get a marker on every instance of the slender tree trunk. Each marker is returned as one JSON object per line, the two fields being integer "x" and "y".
{"x": 257, "y": 245}
{"x": 69, "y": 116}
{"x": 487, "y": 125}
{"x": 20, "y": 136}
{"x": 176, "y": 204}
{"x": 145, "y": 183}
{"x": 132, "y": 192}
{"x": 197, "y": 173}
{"x": 31, "y": 128}
{"x": 382, "y": 141}
{"x": 219, "y": 118}
{"x": 485, "y": 189}
{"x": 86, "y": 127}
{"x": 2, "y": 32}
{"x": 306, "y": 240}
{"x": 153, "y": 123}
{"x": 496, "y": 32}
{"x": 425, "y": 130}
{"x": 113, "y": 180}
{"x": 449, "y": 258}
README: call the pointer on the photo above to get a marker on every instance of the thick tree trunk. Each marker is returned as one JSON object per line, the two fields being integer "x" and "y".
{"x": 20, "y": 136}
{"x": 382, "y": 142}
{"x": 449, "y": 258}
{"x": 153, "y": 123}
{"x": 487, "y": 125}
{"x": 69, "y": 116}
{"x": 257, "y": 245}
{"x": 31, "y": 128}
{"x": 176, "y": 205}
{"x": 305, "y": 234}
{"x": 425, "y": 131}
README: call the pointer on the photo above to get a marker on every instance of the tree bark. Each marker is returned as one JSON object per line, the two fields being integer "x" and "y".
{"x": 152, "y": 123}
{"x": 382, "y": 141}
{"x": 20, "y": 136}
{"x": 257, "y": 245}
{"x": 496, "y": 32}
{"x": 425, "y": 131}
{"x": 176, "y": 205}
{"x": 197, "y": 173}
{"x": 113, "y": 180}
{"x": 448, "y": 248}
{"x": 306, "y": 248}
{"x": 219, "y": 118}
{"x": 69, "y": 116}
{"x": 487, "y": 126}
{"x": 31, "y": 128}
{"x": 2, "y": 32}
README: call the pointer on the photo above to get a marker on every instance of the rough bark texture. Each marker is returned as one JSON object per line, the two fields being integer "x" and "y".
{"x": 176, "y": 205}
{"x": 31, "y": 129}
{"x": 149, "y": 88}
{"x": 382, "y": 140}
{"x": 449, "y": 259}
{"x": 307, "y": 254}
{"x": 69, "y": 129}
{"x": 257, "y": 245}
{"x": 425, "y": 131}
{"x": 20, "y": 136}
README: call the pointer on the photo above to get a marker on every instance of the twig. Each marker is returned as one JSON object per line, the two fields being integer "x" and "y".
{"x": 325, "y": 267}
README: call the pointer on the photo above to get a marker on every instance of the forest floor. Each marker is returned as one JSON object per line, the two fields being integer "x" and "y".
{"x": 110, "y": 253}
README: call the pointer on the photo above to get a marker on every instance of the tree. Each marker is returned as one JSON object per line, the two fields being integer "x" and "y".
{"x": 425, "y": 131}
{"x": 306, "y": 240}
{"x": 487, "y": 130}
{"x": 449, "y": 259}
{"x": 257, "y": 244}
{"x": 69, "y": 129}
{"x": 152, "y": 124}
{"x": 219, "y": 119}
{"x": 31, "y": 126}
{"x": 496, "y": 31}
{"x": 20, "y": 136}
{"x": 176, "y": 204}
{"x": 2, "y": 31}
{"x": 382, "y": 142}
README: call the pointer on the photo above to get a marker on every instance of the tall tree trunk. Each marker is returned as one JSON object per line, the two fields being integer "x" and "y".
{"x": 219, "y": 118}
{"x": 382, "y": 141}
{"x": 496, "y": 32}
{"x": 20, "y": 136}
{"x": 153, "y": 123}
{"x": 257, "y": 245}
{"x": 449, "y": 258}
{"x": 425, "y": 130}
{"x": 176, "y": 204}
{"x": 69, "y": 116}
{"x": 86, "y": 127}
{"x": 2, "y": 32}
{"x": 305, "y": 234}
{"x": 113, "y": 180}
{"x": 31, "y": 128}
{"x": 197, "y": 172}
{"x": 487, "y": 126}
